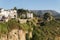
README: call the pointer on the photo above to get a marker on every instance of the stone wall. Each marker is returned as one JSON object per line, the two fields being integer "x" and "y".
{"x": 23, "y": 20}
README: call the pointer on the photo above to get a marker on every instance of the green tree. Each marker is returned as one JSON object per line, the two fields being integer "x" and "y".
{"x": 15, "y": 8}
{"x": 21, "y": 11}
{"x": 47, "y": 16}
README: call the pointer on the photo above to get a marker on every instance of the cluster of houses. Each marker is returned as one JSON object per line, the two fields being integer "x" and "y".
{"x": 5, "y": 15}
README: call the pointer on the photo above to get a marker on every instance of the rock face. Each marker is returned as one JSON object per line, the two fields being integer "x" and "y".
{"x": 22, "y": 35}
{"x": 57, "y": 37}
{"x": 15, "y": 34}
{"x": 3, "y": 37}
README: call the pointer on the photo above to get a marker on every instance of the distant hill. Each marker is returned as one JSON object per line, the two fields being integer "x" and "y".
{"x": 41, "y": 12}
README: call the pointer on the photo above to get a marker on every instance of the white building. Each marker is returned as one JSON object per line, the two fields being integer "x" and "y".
{"x": 29, "y": 15}
{"x": 13, "y": 13}
{"x": 8, "y": 13}
{"x": 1, "y": 16}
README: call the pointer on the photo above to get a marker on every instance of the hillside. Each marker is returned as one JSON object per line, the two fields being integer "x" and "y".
{"x": 33, "y": 29}
{"x": 48, "y": 31}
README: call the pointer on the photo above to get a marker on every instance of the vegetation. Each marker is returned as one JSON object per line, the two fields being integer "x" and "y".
{"x": 46, "y": 32}
{"x": 3, "y": 28}
{"x": 21, "y": 11}
{"x": 15, "y": 8}
{"x": 47, "y": 16}
{"x": 13, "y": 24}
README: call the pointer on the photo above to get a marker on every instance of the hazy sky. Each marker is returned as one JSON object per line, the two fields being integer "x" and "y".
{"x": 31, "y": 4}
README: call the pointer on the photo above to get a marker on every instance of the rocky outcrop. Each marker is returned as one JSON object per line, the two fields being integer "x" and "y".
{"x": 15, "y": 34}
{"x": 57, "y": 37}
{"x": 3, "y": 37}
{"x": 22, "y": 35}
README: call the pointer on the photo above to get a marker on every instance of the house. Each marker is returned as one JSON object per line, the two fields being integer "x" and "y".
{"x": 4, "y": 12}
{"x": 23, "y": 16}
{"x": 29, "y": 15}
{"x": 1, "y": 16}
{"x": 13, "y": 13}
{"x": 8, "y": 14}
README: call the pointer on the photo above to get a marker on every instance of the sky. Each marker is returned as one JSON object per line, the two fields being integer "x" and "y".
{"x": 31, "y": 4}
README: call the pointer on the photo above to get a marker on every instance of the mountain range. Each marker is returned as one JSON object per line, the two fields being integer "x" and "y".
{"x": 41, "y": 12}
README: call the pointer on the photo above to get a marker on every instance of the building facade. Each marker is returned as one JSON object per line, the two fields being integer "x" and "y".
{"x": 29, "y": 15}
{"x": 8, "y": 14}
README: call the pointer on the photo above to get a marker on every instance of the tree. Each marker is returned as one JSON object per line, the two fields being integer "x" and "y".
{"x": 15, "y": 8}
{"x": 21, "y": 11}
{"x": 47, "y": 17}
